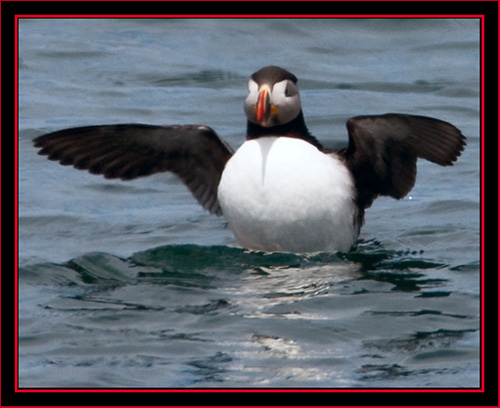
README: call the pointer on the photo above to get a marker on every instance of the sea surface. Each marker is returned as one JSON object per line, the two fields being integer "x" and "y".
{"x": 132, "y": 284}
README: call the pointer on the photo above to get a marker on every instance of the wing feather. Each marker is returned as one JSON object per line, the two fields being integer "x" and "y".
{"x": 383, "y": 151}
{"x": 194, "y": 153}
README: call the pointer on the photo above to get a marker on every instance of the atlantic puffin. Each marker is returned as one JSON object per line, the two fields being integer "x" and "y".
{"x": 282, "y": 190}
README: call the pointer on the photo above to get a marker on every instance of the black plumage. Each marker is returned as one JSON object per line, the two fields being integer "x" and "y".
{"x": 383, "y": 150}
{"x": 381, "y": 154}
{"x": 194, "y": 153}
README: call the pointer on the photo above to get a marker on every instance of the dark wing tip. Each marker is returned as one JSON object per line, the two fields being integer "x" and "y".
{"x": 194, "y": 153}
{"x": 383, "y": 151}
{"x": 429, "y": 138}
{"x": 435, "y": 140}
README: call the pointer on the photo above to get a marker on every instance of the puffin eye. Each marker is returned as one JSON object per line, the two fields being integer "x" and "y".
{"x": 290, "y": 89}
{"x": 252, "y": 86}
{"x": 284, "y": 89}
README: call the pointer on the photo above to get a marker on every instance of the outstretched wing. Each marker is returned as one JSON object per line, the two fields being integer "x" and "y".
{"x": 194, "y": 153}
{"x": 383, "y": 151}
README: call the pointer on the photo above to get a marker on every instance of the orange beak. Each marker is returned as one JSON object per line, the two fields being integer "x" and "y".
{"x": 263, "y": 107}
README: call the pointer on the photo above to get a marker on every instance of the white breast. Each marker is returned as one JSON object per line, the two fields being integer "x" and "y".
{"x": 283, "y": 194}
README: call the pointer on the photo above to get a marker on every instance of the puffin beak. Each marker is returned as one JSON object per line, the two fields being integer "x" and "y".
{"x": 264, "y": 108}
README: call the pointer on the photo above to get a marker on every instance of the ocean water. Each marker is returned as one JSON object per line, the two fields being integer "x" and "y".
{"x": 132, "y": 284}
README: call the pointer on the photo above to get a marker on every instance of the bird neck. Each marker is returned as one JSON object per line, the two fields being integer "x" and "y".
{"x": 296, "y": 129}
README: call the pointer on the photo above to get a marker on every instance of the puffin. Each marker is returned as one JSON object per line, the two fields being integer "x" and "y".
{"x": 281, "y": 190}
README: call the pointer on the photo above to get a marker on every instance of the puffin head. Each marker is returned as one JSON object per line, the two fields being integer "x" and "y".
{"x": 273, "y": 97}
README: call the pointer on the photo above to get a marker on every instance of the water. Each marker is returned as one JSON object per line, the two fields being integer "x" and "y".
{"x": 134, "y": 285}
